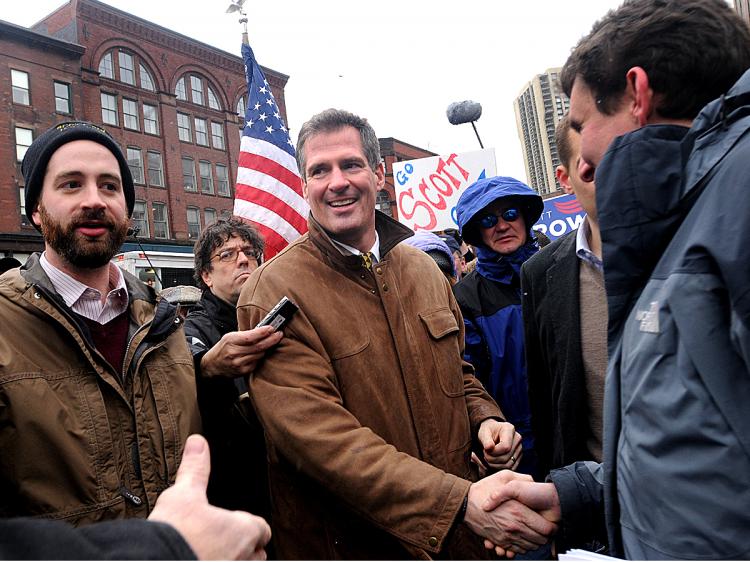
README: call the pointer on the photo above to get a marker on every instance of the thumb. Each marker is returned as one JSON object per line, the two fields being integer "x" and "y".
{"x": 196, "y": 464}
{"x": 486, "y": 438}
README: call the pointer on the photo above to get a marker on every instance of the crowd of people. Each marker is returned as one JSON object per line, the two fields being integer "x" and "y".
{"x": 587, "y": 394}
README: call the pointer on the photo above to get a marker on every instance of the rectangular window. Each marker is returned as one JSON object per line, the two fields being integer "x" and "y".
{"x": 210, "y": 216}
{"x": 130, "y": 114}
{"x": 183, "y": 128}
{"x": 217, "y": 135}
{"x": 20, "y": 82}
{"x": 135, "y": 163}
{"x": 207, "y": 180}
{"x": 161, "y": 225}
{"x": 222, "y": 177}
{"x": 62, "y": 97}
{"x": 22, "y": 203}
{"x": 109, "y": 109}
{"x": 105, "y": 66}
{"x": 196, "y": 89}
{"x": 193, "y": 222}
{"x": 201, "y": 132}
{"x": 188, "y": 174}
{"x": 155, "y": 169}
{"x": 140, "y": 219}
{"x": 126, "y": 68}
{"x": 150, "y": 119}
{"x": 24, "y": 137}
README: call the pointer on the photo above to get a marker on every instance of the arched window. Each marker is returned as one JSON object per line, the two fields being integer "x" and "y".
{"x": 120, "y": 64}
{"x": 196, "y": 89}
{"x": 241, "y": 108}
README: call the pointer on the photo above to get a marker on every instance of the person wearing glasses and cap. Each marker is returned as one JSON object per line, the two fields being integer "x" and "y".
{"x": 226, "y": 253}
{"x": 495, "y": 216}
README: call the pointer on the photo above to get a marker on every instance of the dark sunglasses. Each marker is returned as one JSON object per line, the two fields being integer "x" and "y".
{"x": 230, "y": 254}
{"x": 508, "y": 215}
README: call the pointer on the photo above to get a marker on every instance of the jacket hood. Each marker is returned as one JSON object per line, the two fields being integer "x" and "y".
{"x": 482, "y": 193}
{"x": 429, "y": 242}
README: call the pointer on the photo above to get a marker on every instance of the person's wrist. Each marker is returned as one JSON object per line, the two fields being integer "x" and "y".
{"x": 462, "y": 510}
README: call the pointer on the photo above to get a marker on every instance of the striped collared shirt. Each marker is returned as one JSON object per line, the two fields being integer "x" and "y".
{"x": 85, "y": 300}
{"x": 351, "y": 250}
{"x": 582, "y": 247}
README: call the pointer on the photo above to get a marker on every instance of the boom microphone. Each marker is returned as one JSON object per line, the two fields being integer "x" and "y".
{"x": 464, "y": 112}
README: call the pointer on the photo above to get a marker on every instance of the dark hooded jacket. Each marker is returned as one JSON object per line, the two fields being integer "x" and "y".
{"x": 490, "y": 301}
{"x": 673, "y": 208}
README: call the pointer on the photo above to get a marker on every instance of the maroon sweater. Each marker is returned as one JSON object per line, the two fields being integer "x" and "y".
{"x": 111, "y": 338}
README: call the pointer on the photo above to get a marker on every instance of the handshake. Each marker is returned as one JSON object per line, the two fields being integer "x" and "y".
{"x": 509, "y": 510}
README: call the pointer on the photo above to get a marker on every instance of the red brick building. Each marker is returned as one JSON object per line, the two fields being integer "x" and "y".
{"x": 170, "y": 101}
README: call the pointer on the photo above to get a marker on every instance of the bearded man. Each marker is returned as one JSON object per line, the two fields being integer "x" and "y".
{"x": 97, "y": 390}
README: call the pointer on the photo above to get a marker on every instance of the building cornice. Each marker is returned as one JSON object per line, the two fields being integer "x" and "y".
{"x": 40, "y": 39}
{"x": 122, "y": 22}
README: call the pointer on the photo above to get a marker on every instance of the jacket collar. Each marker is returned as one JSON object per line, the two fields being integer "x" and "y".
{"x": 390, "y": 232}
{"x": 223, "y": 314}
{"x": 503, "y": 268}
{"x": 638, "y": 200}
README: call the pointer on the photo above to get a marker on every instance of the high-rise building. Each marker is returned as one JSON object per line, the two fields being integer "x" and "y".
{"x": 175, "y": 106}
{"x": 539, "y": 108}
{"x": 743, "y": 9}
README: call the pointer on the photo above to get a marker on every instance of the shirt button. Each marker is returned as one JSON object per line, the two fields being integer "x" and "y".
{"x": 432, "y": 541}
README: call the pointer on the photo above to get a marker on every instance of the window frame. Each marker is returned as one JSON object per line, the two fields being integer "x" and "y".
{"x": 125, "y": 55}
{"x": 195, "y": 79}
{"x": 163, "y": 207}
{"x": 21, "y": 154}
{"x": 194, "y": 187}
{"x": 149, "y": 168}
{"x": 216, "y": 126}
{"x": 201, "y": 133}
{"x": 205, "y": 216}
{"x": 206, "y": 180}
{"x": 132, "y": 117}
{"x": 113, "y": 109}
{"x": 147, "y": 119}
{"x": 55, "y": 84}
{"x": 181, "y": 127}
{"x": 143, "y": 222}
{"x": 193, "y": 235}
{"x": 141, "y": 179}
{"x": 224, "y": 180}
{"x": 24, "y": 92}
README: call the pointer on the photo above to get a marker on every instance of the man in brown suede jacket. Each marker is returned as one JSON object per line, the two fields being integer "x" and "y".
{"x": 369, "y": 409}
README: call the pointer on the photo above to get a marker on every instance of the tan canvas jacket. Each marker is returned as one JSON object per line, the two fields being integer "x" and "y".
{"x": 79, "y": 441}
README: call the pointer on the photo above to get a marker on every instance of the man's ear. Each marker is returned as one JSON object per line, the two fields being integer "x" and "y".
{"x": 380, "y": 173}
{"x": 35, "y": 217}
{"x": 206, "y": 276}
{"x": 641, "y": 95}
{"x": 304, "y": 191}
{"x": 561, "y": 172}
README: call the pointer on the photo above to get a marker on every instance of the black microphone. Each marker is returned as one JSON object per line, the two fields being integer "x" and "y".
{"x": 461, "y": 112}
{"x": 134, "y": 230}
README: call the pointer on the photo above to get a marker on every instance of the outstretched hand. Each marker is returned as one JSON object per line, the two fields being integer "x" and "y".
{"x": 212, "y": 533}
{"x": 237, "y": 353}
{"x": 501, "y": 443}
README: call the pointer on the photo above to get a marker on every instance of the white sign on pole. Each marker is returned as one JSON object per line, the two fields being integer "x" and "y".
{"x": 428, "y": 189}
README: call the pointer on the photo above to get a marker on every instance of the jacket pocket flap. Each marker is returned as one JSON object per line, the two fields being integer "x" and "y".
{"x": 439, "y": 322}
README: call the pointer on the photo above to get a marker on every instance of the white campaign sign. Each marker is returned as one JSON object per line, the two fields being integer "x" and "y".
{"x": 428, "y": 189}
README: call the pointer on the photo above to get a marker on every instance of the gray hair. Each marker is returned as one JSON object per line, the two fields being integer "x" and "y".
{"x": 332, "y": 120}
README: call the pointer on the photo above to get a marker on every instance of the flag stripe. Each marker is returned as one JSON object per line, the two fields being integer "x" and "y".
{"x": 262, "y": 181}
{"x": 267, "y": 217}
{"x": 271, "y": 168}
{"x": 269, "y": 200}
{"x": 264, "y": 148}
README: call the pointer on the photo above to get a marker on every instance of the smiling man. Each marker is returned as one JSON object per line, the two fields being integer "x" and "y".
{"x": 495, "y": 216}
{"x": 96, "y": 382}
{"x": 369, "y": 410}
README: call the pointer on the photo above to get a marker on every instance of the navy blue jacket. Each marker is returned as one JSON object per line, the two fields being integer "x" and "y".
{"x": 490, "y": 301}
{"x": 673, "y": 208}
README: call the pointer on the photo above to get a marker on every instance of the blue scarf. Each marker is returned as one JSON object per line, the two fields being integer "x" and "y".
{"x": 501, "y": 268}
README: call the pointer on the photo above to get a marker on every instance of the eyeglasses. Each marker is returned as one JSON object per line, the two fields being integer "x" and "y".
{"x": 508, "y": 215}
{"x": 230, "y": 254}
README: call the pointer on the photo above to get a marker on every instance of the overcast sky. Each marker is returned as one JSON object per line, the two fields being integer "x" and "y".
{"x": 398, "y": 63}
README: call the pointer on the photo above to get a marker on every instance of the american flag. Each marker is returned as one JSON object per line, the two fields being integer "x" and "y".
{"x": 269, "y": 186}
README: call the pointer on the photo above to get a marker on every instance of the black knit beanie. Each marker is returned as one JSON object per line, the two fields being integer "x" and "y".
{"x": 34, "y": 164}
